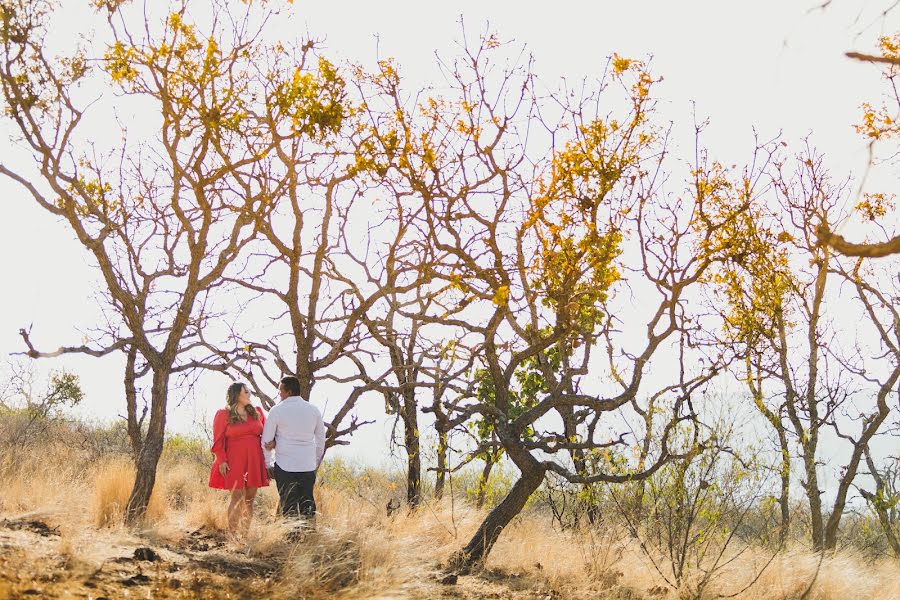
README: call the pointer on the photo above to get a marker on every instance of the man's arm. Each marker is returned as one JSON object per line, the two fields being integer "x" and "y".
{"x": 320, "y": 440}
{"x": 268, "y": 437}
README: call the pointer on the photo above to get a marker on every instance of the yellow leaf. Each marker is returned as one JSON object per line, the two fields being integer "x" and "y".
{"x": 501, "y": 296}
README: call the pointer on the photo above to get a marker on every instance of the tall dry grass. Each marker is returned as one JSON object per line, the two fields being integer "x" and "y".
{"x": 45, "y": 479}
{"x": 113, "y": 480}
{"x": 608, "y": 562}
{"x": 358, "y": 551}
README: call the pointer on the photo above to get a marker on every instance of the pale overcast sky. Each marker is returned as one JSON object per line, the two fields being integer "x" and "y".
{"x": 770, "y": 64}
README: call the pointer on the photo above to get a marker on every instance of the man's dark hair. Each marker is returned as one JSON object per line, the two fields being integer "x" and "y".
{"x": 291, "y": 385}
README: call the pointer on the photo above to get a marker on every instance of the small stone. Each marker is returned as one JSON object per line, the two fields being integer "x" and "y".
{"x": 148, "y": 554}
{"x": 393, "y": 506}
{"x": 139, "y": 579}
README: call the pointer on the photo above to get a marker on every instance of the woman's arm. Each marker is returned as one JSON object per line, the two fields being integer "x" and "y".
{"x": 220, "y": 424}
{"x": 268, "y": 437}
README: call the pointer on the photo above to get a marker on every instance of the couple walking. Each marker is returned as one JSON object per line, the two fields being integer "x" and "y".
{"x": 250, "y": 449}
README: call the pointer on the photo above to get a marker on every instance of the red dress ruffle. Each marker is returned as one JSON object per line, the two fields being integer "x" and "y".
{"x": 238, "y": 444}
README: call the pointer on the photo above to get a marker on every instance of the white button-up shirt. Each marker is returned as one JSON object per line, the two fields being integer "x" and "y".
{"x": 299, "y": 434}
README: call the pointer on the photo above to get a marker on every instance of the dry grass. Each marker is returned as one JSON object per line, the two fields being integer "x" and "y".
{"x": 839, "y": 576}
{"x": 370, "y": 554}
{"x": 45, "y": 480}
{"x": 205, "y": 512}
{"x": 357, "y": 551}
{"x": 113, "y": 481}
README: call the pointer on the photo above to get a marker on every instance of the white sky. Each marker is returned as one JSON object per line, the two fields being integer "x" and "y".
{"x": 769, "y": 64}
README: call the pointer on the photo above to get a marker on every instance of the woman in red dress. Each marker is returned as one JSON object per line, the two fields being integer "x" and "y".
{"x": 239, "y": 465}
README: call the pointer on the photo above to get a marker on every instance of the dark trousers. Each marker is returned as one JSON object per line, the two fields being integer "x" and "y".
{"x": 296, "y": 492}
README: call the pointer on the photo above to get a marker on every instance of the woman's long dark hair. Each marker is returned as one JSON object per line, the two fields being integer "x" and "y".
{"x": 231, "y": 401}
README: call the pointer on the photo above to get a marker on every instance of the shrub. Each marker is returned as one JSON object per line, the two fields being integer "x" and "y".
{"x": 113, "y": 481}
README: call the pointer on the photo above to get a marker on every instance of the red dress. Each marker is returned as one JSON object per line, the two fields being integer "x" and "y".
{"x": 238, "y": 444}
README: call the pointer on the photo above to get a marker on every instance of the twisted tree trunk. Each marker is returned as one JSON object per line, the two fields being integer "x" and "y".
{"x": 413, "y": 454}
{"x": 441, "y": 475}
{"x": 480, "y": 545}
{"x": 151, "y": 450}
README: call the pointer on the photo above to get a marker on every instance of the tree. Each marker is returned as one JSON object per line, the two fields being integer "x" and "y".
{"x": 842, "y": 246}
{"x": 419, "y": 359}
{"x": 778, "y": 298}
{"x": 294, "y": 269}
{"x": 878, "y": 124}
{"x": 877, "y": 366}
{"x": 36, "y": 409}
{"x": 532, "y": 248}
{"x": 410, "y": 358}
{"x": 166, "y": 214}
{"x": 448, "y": 383}
{"x": 527, "y": 386}
{"x": 884, "y": 500}
{"x": 755, "y": 286}
{"x": 692, "y": 511}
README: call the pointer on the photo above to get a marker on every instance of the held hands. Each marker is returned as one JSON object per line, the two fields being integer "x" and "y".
{"x": 270, "y": 471}
{"x": 223, "y": 468}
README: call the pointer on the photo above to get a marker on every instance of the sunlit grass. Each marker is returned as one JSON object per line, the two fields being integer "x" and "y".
{"x": 358, "y": 551}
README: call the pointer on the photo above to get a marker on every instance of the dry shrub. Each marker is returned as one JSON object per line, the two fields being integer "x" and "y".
{"x": 603, "y": 552}
{"x": 113, "y": 481}
{"x": 182, "y": 483}
{"x": 266, "y": 505}
{"x": 561, "y": 561}
{"x": 360, "y": 563}
{"x": 269, "y": 538}
{"x": 843, "y": 575}
{"x": 357, "y": 551}
{"x": 322, "y": 564}
{"x": 206, "y": 508}
{"x": 626, "y": 572}
{"x": 45, "y": 479}
{"x": 207, "y": 511}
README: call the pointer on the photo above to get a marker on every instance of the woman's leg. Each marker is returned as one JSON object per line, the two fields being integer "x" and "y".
{"x": 235, "y": 509}
{"x": 249, "y": 496}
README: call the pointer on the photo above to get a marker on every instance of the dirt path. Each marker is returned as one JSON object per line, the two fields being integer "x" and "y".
{"x": 38, "y": 560}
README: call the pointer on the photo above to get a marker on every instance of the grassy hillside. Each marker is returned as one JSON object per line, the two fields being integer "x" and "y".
{"x": 64, "y": 485}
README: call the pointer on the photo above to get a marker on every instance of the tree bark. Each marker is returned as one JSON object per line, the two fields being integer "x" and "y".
{"x": 480, "y": 545}
{"x": 145, "y": 476}
{"x": 305, "y": 376}
{"x": 441, "y": 475}
{"x": 413, "y": 454}
{"x": 784, "y": 498}
{"x": 839, "y": 244}
{"x": 481, "y": 490}
{"x": 832, "y": 527}
{"x": 814, "y": 498}
{"x": 570, "y": 428}
{"x": 135, "y": 435}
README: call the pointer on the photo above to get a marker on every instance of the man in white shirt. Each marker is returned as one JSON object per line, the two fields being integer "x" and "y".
{"x": 294, "y": 429}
